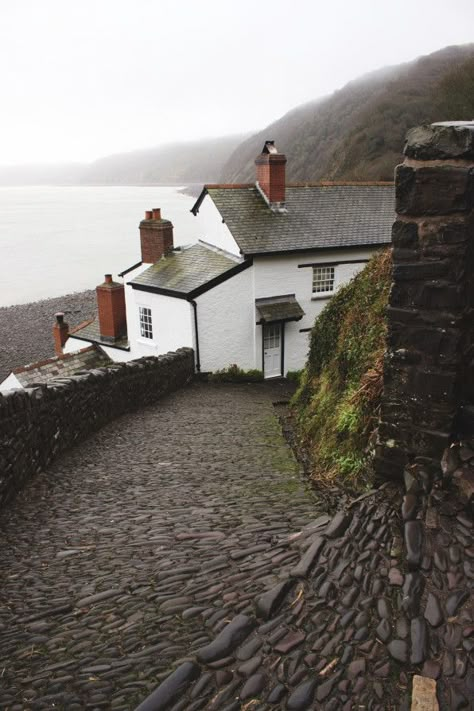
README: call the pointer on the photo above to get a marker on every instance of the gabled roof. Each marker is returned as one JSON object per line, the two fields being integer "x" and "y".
{"x": 189, "y": 271}
{"x": 320, "y": 216}
{"x": 61, "y": 366}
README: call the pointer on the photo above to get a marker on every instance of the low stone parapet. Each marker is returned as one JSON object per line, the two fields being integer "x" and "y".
{"x": 38, "y": 423}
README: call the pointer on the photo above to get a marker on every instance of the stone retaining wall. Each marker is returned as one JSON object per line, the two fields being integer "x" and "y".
{"x": 429, "y": 366}
{"x": 38, "y": 423}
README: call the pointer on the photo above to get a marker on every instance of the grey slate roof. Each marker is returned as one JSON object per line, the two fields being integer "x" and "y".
{"x": 279, "y": 308}
{"x": 61, "y": 366}
{"x": 91, "y": 332}
{"x": 189, "y": 269}
{"x": 318, "y": 216}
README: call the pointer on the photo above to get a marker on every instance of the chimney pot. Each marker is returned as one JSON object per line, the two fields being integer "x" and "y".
{"x": 148, "y": 214}
{"x": 111, "y": 310}
{"x": 271, "y": 175}
{"x": 60, "y": 333}
{"x": 156, "y": 237}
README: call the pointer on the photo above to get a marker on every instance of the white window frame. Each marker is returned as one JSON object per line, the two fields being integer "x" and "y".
{"x": 145, "y": 320}
{"x": 324, "y": 277}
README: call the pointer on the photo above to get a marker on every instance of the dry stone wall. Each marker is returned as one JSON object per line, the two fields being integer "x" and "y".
{"x": 429, "y": 367}
{"x": 38, "y": 423}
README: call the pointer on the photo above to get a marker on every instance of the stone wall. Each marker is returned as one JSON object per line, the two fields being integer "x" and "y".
{"x": 429, "y": 371}
{"x": 38, "y": 423}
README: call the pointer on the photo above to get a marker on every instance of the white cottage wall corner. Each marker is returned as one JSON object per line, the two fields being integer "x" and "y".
{"x": 226, "y": 324}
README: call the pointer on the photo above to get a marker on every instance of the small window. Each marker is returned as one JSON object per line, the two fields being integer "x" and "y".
{"x": 146, "y": 328}
{"x": 323, "y": 280}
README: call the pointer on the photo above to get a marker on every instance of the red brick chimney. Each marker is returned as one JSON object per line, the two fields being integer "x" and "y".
{"x": 156, "y": 236}
{"x": 60, "y": 333}
{"x": 111, "y": 307}
{"x": 271, "y": 174}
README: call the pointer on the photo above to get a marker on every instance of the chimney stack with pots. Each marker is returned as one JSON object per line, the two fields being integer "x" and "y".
{"x": 60, "y": 333}
{"x": 271, "y": 175}
{"x": 156, "y": 236}
{"x": 111, "y": 307}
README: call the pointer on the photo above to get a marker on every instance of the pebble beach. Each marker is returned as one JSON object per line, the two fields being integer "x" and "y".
{"x": 26, "y": 329}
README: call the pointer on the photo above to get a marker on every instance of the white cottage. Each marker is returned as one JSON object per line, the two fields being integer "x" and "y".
{"x": 288, "y": 248}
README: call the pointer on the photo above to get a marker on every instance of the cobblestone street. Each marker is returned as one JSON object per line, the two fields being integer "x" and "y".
{"x": 179, "y": 552}
{"x": 113, "y": 558}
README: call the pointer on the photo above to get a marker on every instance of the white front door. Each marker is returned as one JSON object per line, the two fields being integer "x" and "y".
{"x": 272, "y": 350}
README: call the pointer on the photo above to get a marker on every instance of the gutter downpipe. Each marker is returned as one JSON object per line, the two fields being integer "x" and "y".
{"x": 196, "y": 333}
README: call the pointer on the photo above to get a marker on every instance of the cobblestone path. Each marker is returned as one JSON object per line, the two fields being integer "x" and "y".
{"x": 178, "y": 552}
{"x": 134, "y": 549}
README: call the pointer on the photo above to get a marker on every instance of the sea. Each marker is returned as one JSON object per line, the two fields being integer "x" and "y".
{"x": 59, "y": 240}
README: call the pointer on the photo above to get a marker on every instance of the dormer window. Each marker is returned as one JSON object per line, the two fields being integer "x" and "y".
{"x": 323, "y": 280}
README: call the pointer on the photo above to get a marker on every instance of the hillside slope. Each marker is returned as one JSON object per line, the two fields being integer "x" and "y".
{"x": 336, "y": 405}
{"x": 174, "y": 164}
{"x": 191, "y": 162}
{"x": 357, "y": 132}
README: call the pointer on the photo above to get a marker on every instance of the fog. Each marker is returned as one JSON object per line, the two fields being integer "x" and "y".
{"x": 80, "y": 80}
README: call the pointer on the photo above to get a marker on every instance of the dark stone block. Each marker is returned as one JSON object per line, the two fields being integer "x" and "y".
{"x": 433, "y": 611}
{"x": 398, "y": 649}
{"x": 308, "y": 560}
{"x": 419, "y": 640}
{"x": 440, "y": 142}
{"x": 172, "y": 687}
{"x": 411, "y": 594}
{"x": 421, "y": 271}
{"x": 268, "y": 603}
{"x": 302, "y": 697}
{"x": 338, "y": 525}
{"x": 414, "y": 543}
{"x": 405, "y": 234}
{"x": 227, "y": 640}
{"x": 455, "y": 601}
{"x": 440, "y": 190}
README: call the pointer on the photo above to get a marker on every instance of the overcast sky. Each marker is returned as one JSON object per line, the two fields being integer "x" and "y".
{"x": 80, "y": 79}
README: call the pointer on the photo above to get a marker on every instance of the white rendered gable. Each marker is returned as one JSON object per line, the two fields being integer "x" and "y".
{"x": 212, "y": 229}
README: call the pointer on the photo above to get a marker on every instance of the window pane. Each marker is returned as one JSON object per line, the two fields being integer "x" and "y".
{"x": 146, "y": 329}
{"x": 323, "y": 279}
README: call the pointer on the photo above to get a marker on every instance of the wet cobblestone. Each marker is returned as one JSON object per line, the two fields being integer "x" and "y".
{"x": 134, "y": 550}
{"x": 179, "y": 553}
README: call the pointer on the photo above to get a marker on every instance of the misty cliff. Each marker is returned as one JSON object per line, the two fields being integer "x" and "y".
{"x": 356, "y": 133}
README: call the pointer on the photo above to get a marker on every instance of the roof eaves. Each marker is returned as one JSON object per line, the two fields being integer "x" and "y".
{"x": 240, "y": 267}
{"x": 95, "y": 341}
{"x": 319, "y": 250}
{"x": 130, "y": 269}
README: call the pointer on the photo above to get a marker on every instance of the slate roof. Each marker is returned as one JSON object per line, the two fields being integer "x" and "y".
{"x": 279, "y": 308}
{"x": 61, "y": 366}
{"x": 323, "y": 216}
{"x": 91, "y": 332}
{"x": 186, "y": 271}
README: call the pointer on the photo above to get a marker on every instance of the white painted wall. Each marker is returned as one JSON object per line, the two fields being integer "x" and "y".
{"x": 210, "y": 227}
{"x": 226, "y": 323}
{"x": 171, "y": 321}
{"x": 280, "y": 274}
{"x": 11, "y": 382}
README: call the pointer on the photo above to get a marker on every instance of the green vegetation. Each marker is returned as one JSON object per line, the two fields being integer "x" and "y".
{"x": 358, "y": 132}
{"x": 234, "y": 374}
{"x": 294, "y": 376}
{"x": 338, "y": 399}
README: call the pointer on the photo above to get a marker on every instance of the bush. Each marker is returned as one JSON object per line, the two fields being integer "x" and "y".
{"x": 234, "y": 374}
{"x": 294, "y": 376}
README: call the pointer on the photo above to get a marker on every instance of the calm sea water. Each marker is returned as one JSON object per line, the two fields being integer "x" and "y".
{"x": 57, "y": 240}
